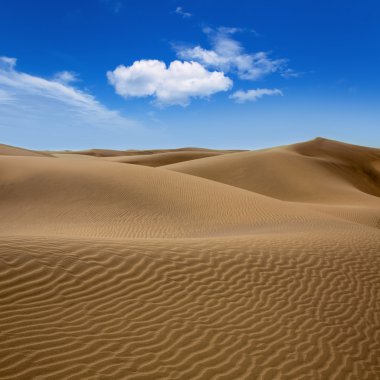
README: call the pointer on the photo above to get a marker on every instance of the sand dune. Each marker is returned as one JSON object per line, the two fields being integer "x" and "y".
{"x": 94, "y": 198}
{"x": 161, "y": 159}
{"x": 225, "y": 265}
{"x": 8, "y": 150}
{"x": 316, "y": 171}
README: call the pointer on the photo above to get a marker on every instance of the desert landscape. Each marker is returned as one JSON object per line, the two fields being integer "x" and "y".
{"x": 191, "y": 263}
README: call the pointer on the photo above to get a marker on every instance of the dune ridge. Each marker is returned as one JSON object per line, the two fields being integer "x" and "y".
{"x": 220, "y": 265}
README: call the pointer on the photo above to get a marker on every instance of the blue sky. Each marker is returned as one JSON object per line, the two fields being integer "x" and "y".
{"x": 223, "y": 74}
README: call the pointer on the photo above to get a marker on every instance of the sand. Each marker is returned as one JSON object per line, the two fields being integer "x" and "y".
{"x": 191, "y": 263}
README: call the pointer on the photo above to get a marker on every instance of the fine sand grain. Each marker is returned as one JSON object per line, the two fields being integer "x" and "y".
{"x": 191, "y": 263}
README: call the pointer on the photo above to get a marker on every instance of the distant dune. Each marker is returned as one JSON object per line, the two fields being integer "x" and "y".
{"x": 117, "y": 153}
{"x": 190, "y": 263}
{"x": 165, "y": 158}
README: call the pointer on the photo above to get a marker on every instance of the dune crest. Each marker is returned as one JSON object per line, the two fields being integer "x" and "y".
{"x": 190, "y": 263}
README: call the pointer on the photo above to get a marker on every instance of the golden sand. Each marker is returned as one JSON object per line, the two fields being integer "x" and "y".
{"x": 191, "y": 263}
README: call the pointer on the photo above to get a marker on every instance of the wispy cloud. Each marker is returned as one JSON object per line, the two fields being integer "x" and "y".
{"x": 253, "y": 95}
{"x": 66, "y": 77}
{"x": 229, "y": 55}
{"x": 5, "y": 96}
{"x": 182, "y": 13}
{"x": 290, "y": 73}
{"x": 172, "y": 85}
{"x": 24, "y": 97}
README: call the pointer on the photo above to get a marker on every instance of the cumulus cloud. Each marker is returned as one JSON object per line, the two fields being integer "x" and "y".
{"x": 181, "y": 12}
{"x": 253, "y": 95}
{"x": 172, "y": 85}
{"x": 228, "y": 54}
{"x": 29, "y": 97}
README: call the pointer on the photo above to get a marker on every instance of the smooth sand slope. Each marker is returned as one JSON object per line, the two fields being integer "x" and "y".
{"x": 8, "y": 150}
{"x": 223, "y": 265}
{"x": 316, "y": 171}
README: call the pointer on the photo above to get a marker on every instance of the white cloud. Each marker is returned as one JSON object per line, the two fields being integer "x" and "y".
{"x": 227, "y": 54}
{"x": 66, "y": 77}
{"x": 172, "y": 85}
{"x": 7, "y": 63}
{"x": 24, "y": 96}
{"x": 181, "y": 12}
{"x": 253, "y": 95}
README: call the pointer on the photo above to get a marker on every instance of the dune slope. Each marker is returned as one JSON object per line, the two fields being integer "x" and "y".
{"x": 316, "y": 171}
{"x": 94, "y": 198}
{"x": 8, "y": 150}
